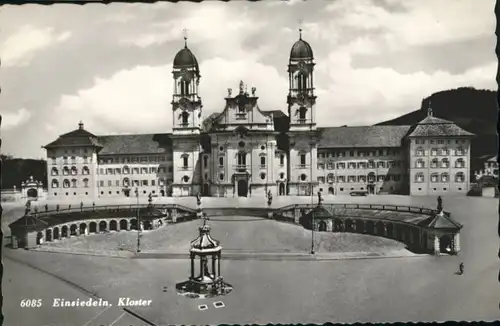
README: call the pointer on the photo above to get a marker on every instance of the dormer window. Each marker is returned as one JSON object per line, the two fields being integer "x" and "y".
{"x": 185, "y": 118}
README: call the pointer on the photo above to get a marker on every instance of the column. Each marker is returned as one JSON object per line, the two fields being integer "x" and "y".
{"x": 192, "y": 266}
{"x": 174, "y": 215}
{"x": 218, "y": 263}
{"x": 296, "y": 215}
{"x": 456, "y": 241}
{"x": 202, "y": 270}
{"x": 385, "y": 230}
{"x": 437, "y": 248}
{"x": 213, "y": 265}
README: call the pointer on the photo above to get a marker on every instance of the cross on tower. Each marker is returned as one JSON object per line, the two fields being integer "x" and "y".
{"x": 429, "y": 109}
{"x": 300, "y": 27}
{"x": 184, "y": 31}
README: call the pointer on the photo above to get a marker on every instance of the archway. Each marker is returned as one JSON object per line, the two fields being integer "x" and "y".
{"x": 123, "y": 224}
{"x": 337, "y": 225}
{"x": 113, "y": 225}
{"x": 445, "y": 244}
{"x": 72, "y": 229}
{"x": 282, "y": 190}
{"x": 133, "y": 224}
{"x": 39, "y": 238}
{"x": 48, "y": 235}
{"x": 83, "y": 228}
{"x": 370, "y": 227}
{"x": 331, "y": 191}
{"x": 64, "y": 231}
{"x": 92, "y": 227}
{"x": 242, "y": 188}
{"x": 56, "y": 233}
{"x": 32, "y": 192}
{"x": 206, "y": 189}
{"x": 360, "y": 226}
{"x": 390, "y": 230}
{"x": 102, "y": 226}
{"x": 147, "y": 225}
{"x": 349, "y": 225}
{"x": 322, "y": 226}
{"x": 380, "y": 229}
{"x": 162, "y": 193}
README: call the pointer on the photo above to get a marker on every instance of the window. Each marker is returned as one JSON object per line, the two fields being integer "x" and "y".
{"x": 341, "y": 165}
{"x": 321, "y": 166}
{"x": 302, "y": 159}
{"x": 434, "y": 177}
{"x": 109, "y": 171}
{"x": 380, "y": 178}
{"x": 432, "y": 141}
{"x": 362, "y": 178}
{"x": 86, "y": 183}
{"x": 55, "y": 183}
{"x": 282, "y": 159}
{"x": 153, "y": 183}
{"x": 330, "y": 165}
{"x": 460, "y": 177}
{"x": 205, "y": 161}
{"x": 126, "y": 182}
{"x": 221, "y": 161}
{"x": 65, "y": 170}
{"x": 109, "y": 183}
{"x": 221, "y": 176}
{"x": 262, "y": 161}
{"x": 117, "y": 183}
{"x": 282, "y": 175}
{"x": 321, "y": 179}
{"x": 341, "y": 179}
{"x": 54, "y": 171}
{"x": 445, "y": 163}
{"x": 73, "y": 183}
{"x": 459, "y": 151}
{"x": 330, "y": 178}
{"x": 74, "y": 171}
{"x": 460, "y": 163}
{"x": 434, "y": 163}
{"x": 242, "y": 158}
{"x": 380, "y": 164}
{"x": 420, "y": 164}
{"x": 301, "y": 82}
{"x": 221, "y": 148}
{"x": 303, "y": 177}
{"x": 184, "y": 86}
{"x": 351, "y": 178}
{"x": 85, "y": 170}
{"x": 73, "y": 159}
{"x": 420, "y": 151}
{"x": 302, "y": 114}
{"x": 262, "y": 176}
{"x": 185, "y": 118}
{"x": 154, "y": 170}
{"x": 444, "y": 151}
{"x": 241, "y": 144}
{"x": 262, "y": 147}
{"x": 351, "y": 153}
{"x": 145, "y": 183}
{"x": 101, "y": 183}
{"x": 54, "y": 160}
{"x": 434, "y": 152}
{"x": 185, "y": 178}
{"x": 118, "y": 171}
{"x": 371, "y": 164}
{"x": 185, "y": 161}
{"x": 419, "y": 177}
{"x": 444, "y": 177}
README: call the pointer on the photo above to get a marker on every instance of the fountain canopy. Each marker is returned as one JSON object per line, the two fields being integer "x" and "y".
{"x": 204, "y": 243}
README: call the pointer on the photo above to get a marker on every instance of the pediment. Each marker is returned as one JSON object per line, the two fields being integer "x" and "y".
{"x": 242, "y": 131}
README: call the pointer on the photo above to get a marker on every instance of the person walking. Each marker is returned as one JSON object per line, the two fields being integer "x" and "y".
{"x": 461, "y": 268}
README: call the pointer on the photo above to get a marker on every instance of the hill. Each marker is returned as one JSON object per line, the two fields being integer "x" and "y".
{"x": 17, "y": 170}
{"x": 473, "y": 110}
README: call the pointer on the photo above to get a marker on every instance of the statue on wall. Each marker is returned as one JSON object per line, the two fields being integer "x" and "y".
{"x": 254, "y": 89}
{"x": 229, "y": 92}
{"x": 269, "y": 198}
{"x": 241, "y": 87}
{"x": 320, "y": 199}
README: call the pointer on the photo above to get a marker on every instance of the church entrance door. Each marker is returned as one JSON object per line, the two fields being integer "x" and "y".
{"x": 242, "y": 188}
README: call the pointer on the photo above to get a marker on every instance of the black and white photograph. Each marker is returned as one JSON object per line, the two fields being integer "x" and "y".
{"x": 286, "y": 162}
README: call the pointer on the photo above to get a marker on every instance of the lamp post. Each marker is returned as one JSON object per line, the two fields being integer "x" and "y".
{"x": 138, "y": 221}
{"x": 312, "y": 197}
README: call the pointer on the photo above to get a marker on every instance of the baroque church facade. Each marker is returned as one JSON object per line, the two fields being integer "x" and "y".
{"x": 245, "y": 150}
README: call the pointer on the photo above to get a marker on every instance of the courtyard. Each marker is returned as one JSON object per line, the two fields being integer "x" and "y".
{"x": 421, "y": 288}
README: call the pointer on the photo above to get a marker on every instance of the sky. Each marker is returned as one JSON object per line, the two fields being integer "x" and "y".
{"x": 110, "y": 66}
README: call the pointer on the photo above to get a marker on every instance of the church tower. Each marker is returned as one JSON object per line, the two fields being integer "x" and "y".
{"x": 186, "y": 103}
{"x": 186, "y": 108}
{"x": 302, "y": 135}
{"x": 301, "y": 98}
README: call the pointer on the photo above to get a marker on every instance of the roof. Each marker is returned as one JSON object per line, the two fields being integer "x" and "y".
{"x": 301, "y": 50}
{"x": 275, "y": 113}
{"x": 437, "y": 127}
{"x": 442, "y": 221}
{"x": 78, "y": 137}
{"x": 319, "y": 213}
{"x": 185, "y": 59}
{"x": 135, "y": 144}
{"x": 362, "y": 136}
{"x": 205, "y": 243}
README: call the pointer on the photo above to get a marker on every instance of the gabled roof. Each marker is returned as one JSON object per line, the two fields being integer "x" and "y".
{"x": 79, "y": 137}
{"x": 362, "y": 136}
{"x": 442, "y": 221}
{"x": 437, "y": 127}
{"x": 320, "y": 212}
{"x": 135, "y": 144}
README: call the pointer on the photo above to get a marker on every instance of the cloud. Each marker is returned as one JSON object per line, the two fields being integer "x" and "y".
{"x": 20, "y": 48}
{"x": 12, "y": 120}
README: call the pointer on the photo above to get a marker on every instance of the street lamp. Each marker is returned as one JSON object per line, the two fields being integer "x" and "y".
{"x": 312, "y": 195}
{"x": 138, "y": 221}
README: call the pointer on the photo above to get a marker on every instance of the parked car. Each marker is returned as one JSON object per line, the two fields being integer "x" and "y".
{"x": 358, "y": 193}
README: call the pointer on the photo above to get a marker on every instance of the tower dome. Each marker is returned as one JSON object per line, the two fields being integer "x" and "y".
{"x": 301, "y": 50}
{"x": 185, "y": 59}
